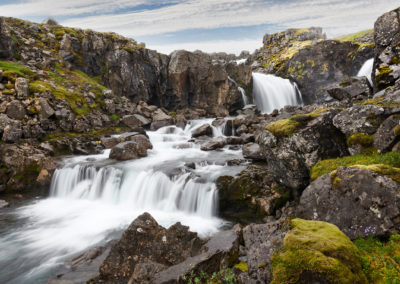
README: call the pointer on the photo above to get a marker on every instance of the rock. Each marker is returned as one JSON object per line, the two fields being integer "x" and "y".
{"x": 247, "y": 138}
{"x": 144, "y": 272}
{"x": 46, "y": 110}
{"x": 44, "y": 177}
{"x": 290, "y": 156}
{"x": 12, "y": 133}
{"x": 387, "y": 53}
{"x": 130, "y": 150}
{"x": 3, "y": 204}
{"x": 141, "y": 140}
{"x": 317, "y": 252}
{"x": 109, "y": 142}
{"x": 145, "y": 241}
{"x": 7, "y": 44}
{"x": 160, "y": 119}
{"x": 388, "y": 134}
{"x": 219, "y": 252}
{"x": 252, "y": 151}
{"x": 261, "y": 242}
{"x": 251, "y": 195}
{"x": 203, "y": 130}
{"x": 234, "y": 140}
{"x": 159, "y": 124}
{"x": 359, "y": 119}
{"x": 242, "y": 129}
{"x": 213, "y": 144}
{"x": 134, "y": 121}
{"x": 16, "y": 110}
{"x": 355, "y": 88}
{"x": 21, "y": 87}
{"x": 359, "y": 201}
{"x": 50, "y": 22}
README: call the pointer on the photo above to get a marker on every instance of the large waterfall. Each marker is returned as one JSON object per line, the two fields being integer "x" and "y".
{"x": 94, "y": 198}
{"x": 271, "y": 92}
{"x": 366, "y": 69}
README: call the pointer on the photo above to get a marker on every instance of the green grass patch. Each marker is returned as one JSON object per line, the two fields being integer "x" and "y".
{"x": 355, "y": 36}
{"x": 391, "y": 159}
{"x": 13, "y": 70}
{"x": 380, "y": 260}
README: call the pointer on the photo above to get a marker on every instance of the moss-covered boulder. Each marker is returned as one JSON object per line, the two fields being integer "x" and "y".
{"x": 317, "y": 252}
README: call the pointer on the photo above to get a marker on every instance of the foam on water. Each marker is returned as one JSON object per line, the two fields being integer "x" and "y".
{"x": 366, "y": 70}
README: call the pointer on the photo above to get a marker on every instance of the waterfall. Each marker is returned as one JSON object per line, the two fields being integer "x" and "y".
{"x": 271, "y": 92}
{"x": 241, "y": 90}
{"x": 366, "y": 70}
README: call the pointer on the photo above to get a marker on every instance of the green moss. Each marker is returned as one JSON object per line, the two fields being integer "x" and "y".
{"x": 129, "y": 49}
{"x": 94, "y": 133}
{"x": 396, "y": 130}
{"x": 8, "y": 92}
{"x": 395, "y": 60}
{"x": 384, "y": 72}
{"x": 380, "y": 261}
{"x": 318, "y": 248}
{"x": 355, "y": 36}
{"x": 326, "y": 166}
{"x": 242, "y": 266}
{"x": 362, "y": 139}
{"x": 113, "y": 117}
{"x": 39, "y": 87}
{"x": 13, "y": 70}
{"x": 386, "y": 170}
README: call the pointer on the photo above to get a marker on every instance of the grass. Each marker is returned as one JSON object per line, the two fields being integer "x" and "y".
{"x": 13, "y": 70}
{"x": 354, "y": 36}
{"x": 391, "y": 159}
{"x": 380, "y": 261}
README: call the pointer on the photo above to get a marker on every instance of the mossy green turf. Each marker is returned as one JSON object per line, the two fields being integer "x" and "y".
{"x": 12, "y": 70}
{"x": 320, "y": 248}
{"x": 363, "y": 139}
{"x": 380, "y": 260}
{"x": 355, "y": 36}
{"x": 289, "y": 126}
{"x": 390, "y": 159}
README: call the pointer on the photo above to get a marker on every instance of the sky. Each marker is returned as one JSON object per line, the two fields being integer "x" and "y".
{"x": 209, "y": 25}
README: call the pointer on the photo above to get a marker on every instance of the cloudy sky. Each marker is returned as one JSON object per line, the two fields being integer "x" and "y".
{"x": 208, "y": 25}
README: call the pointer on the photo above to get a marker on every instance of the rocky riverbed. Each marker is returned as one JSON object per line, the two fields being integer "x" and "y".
{"x": 123, "y": 165}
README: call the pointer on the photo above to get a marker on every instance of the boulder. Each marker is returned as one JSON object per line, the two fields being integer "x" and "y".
{"x": 133, "y": 149}
{"x": 46, "y": 110}
{"x": 261, "y": 241}
{"x": 203, "y": 130}
{"x": 251, "y": 195}
{"x": 214, "y": 143}
{"x": 219, "y": 252}
{"x": 252, "y": 151}
{"x": 12, "y": 133}
{"x": 295, "y": 145}
{"x": 387, "y": 52}
{"x": 359, "y": 119}
{"x": 16, "y": 110}
{"x": 7, "y": 44}
{"x": 388, "y": 134}
{"x": 160, "y": 119}
{"x": 359, "y": 201}
{"x": 146, "y": 241}
{"x": 317, "y": 252}
{"x": 135, "y": 120}
{"x": 355, "y": 88}
{"x": 22, "y": 88}
{"x": 109, "y": 142}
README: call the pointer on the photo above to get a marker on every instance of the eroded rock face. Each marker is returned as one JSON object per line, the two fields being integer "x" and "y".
{"x": 145, "y": 241}
{"x": 360, "y": 202}
{"x": 387, "y": 50}
{"x": 7, "y": 45}
{"x": 290, "y": 158}
{"x": 355, "y": 88}
{"x": 194, "y": 81}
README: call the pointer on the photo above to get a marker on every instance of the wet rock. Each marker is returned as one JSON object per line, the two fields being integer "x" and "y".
{"x": 251, "y": 195}
{"x": 247, "y": 138}
{"x": 109, "y": 142}
{"x": 219, "y": 252}
{"x": 388, "y": 134}
{"x": 234, "y": 140}
{"x": 135, "y": 120}
{"x": 204, "y": 130}
{"x": 359, "y": 201}
{"x": 242, "y": 129}
{"x": 21, "y": 87}
{"x": 214, "y": 143}
{"x": 16, "y": 110}
{"x": 160, "y": 119}
{"x": 290, "y": 157}
{"x": 3, "y": 203}
{"x": 261, "y": 242}
{"x": 252, "y": 151}
{"x": 359, "y": 119}
{"x": 355, "y": 88}
{"x": 131, "y": 149}
{"x": 145, "y": 241}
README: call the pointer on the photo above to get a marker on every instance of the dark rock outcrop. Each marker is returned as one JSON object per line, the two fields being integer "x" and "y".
{"x": 354, "y": 88}
{"x": 135, "y": 147}
{"x": 7, "y": 44}
{"x": 359, "y": 201}
{"x": 204, "y": 130}
{"x": 388, "y": 134}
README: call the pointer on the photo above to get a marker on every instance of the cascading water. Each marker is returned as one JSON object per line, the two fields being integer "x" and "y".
{"x": 93, "y": 199}
{"x": 241, "y": 90}
{"x": 366, "y": 70}
{"x": 271, "y": 92}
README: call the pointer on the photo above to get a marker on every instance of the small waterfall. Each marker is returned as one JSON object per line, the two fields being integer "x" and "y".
{"x": 241, "y": 90}
{"x": 271, "y": 92}
{"x": 366, "y": 70}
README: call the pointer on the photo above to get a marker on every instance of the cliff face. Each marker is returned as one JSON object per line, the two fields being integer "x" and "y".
{"x": 306, "y": 57}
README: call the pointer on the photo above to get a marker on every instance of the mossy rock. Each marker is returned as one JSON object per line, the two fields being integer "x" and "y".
{"x": 317, "y": 251}
{"x": 362, "y": 139}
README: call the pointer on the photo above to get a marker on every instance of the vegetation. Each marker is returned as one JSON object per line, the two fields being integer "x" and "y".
{"x": 362, "y": 139}
{"x": 224, "y": 276}
{"x": 318, "y": 248}
{"x": 13, "y": 70}
{"x": 355, "y": 36}
{"x": 380, "y": 261}
{"x": 390, "y": 159}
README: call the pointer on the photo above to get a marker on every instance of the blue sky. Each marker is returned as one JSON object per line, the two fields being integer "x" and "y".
{"x": 208, "y": 25}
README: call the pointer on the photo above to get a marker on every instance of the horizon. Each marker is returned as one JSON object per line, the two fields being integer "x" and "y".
{"x": 207, "y": 25}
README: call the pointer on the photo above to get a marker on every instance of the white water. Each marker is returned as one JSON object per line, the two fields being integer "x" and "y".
{"x": 93, "y": 199}
{"x": 366, "y": 70}
{"x": 241, "y": 90}
{"x": 271, "y": 92}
